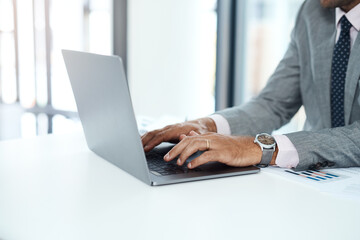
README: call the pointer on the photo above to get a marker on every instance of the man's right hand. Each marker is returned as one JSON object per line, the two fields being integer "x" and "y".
{"x": 173, "y": 132}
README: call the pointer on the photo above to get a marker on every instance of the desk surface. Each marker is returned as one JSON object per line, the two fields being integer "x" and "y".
{"x": 53, "y": 187}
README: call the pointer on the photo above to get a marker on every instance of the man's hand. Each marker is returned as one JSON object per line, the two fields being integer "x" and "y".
{"x": 172, "y": 133}
{"x": 231, "y": 150}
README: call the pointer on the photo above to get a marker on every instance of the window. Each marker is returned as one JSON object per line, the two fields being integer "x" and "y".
{"x": 268, "y": 28}
{"x": 172, "y": 57}
{"x": 33, "y": 78}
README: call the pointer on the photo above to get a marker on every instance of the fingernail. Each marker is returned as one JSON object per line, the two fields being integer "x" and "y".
{"x": 178, "y": 161}
{"x": 189, "y": 165}
{"x": 167, "y": 156}
{"x": 146, "y": 148}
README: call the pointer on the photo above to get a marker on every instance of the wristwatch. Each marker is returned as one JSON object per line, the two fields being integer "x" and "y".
{"x": 267, "y": 144}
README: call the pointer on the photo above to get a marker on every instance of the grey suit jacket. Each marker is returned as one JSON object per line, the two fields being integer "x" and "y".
{"x": 303, "y": 77}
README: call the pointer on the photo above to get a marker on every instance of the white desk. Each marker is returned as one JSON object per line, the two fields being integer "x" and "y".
{"x": 53, "y": 187}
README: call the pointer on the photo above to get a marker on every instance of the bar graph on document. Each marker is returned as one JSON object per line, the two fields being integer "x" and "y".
{"x": 344, "y": 182}
{"x": 317, "y": 176}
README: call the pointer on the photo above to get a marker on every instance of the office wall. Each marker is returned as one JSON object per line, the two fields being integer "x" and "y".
{"x": 171, "y": 57}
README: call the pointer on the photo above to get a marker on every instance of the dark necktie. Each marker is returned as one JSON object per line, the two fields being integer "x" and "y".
{"x": 338, "y": 74}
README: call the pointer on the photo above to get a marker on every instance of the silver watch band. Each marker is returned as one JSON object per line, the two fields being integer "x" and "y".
{"x": 267, "y": 155}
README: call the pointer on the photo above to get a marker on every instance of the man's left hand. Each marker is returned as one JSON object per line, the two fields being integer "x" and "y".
{"x": 236, "y": 151}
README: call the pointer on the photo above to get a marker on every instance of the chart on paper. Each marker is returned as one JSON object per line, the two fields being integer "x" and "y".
{"x": 318, "y": 176}
{"x": 344, "y": 182}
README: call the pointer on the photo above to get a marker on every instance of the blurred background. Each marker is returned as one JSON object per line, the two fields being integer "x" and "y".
{"x": 183, "y": 58}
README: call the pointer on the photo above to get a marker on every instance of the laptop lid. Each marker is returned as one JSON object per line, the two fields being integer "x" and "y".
{"x": 105, "y": 110}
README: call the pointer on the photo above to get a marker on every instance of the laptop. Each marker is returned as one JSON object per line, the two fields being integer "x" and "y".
{"x": 105, "y": 109}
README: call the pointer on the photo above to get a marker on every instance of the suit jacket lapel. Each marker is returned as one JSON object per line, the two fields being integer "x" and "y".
{"x": 352, "y": 78}
{"x": 324, "y": 42}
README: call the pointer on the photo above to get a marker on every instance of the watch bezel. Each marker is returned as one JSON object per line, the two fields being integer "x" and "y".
{"x": 263, "y": 145}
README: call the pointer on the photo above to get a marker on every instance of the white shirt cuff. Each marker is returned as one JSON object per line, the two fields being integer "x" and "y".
{"x": 287, "y": 156}
{"x": 222, "y": 125}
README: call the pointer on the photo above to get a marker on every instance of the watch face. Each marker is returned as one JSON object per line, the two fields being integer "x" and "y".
{"x": 266, "y": 139}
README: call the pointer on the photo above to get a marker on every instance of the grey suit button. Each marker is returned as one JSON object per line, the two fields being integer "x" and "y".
{"x": 331, "y": 164}
{"x": 312, "y": 167}
{"x": 316, "y": 166}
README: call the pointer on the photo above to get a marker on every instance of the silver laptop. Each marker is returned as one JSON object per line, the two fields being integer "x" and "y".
{"x": 106, "y": 113}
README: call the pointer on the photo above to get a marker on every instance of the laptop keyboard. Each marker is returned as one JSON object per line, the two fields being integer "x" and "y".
{"x": 158, "y": 166}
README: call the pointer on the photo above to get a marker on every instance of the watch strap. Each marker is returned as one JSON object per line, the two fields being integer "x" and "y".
{"x": 266, "y": 158}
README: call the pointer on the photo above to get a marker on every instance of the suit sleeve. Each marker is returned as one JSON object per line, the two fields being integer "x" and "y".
{"x": 276, "y": 104}
{"x": 333, "y": 147}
